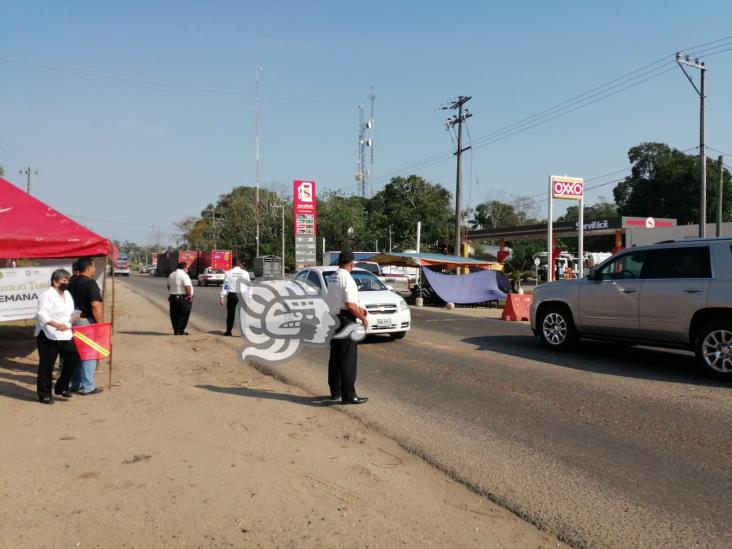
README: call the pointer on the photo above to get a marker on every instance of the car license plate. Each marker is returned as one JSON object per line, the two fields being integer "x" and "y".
{"x": 383, "y": 322}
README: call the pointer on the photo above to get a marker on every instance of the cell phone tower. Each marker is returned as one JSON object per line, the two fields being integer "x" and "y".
{"x": 365, "y": 140}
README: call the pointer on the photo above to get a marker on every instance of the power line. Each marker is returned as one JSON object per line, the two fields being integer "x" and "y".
{"x": 647, "y": 72}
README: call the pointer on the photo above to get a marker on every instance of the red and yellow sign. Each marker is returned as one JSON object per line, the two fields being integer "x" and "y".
{"x": 93, "y": 341}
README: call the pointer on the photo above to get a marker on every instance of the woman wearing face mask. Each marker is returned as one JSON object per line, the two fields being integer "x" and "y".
{"x": 54, "y": 337}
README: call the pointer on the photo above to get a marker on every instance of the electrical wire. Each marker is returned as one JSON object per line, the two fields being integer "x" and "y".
{"x": 647, "y": 72}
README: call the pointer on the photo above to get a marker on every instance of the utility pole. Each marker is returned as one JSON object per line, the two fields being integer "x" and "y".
{"x": 389, "y": 238}
{"x": 282, "y": 206}
{"x": 698, "y": 64}
{"x": 256, "y": 127}
{"x": 28, "y": 172}
{"x": 720, "y": 194}
{"x": 458, "y": 120}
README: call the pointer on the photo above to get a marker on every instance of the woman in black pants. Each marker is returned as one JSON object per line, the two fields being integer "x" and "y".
{"x": 54, "y": 337}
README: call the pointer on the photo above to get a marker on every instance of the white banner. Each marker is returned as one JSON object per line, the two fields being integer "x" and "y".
{"x": 19, "y": 290}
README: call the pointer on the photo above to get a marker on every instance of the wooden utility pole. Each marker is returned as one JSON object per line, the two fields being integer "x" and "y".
{"x": 28, "y": 172}
{"x": 458, "y": 120}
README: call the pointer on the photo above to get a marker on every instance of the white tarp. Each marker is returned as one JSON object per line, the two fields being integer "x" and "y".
{"x": 19, "y": 290}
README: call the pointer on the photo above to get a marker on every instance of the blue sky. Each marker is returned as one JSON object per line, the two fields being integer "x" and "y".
{"x": 136, "y": 114}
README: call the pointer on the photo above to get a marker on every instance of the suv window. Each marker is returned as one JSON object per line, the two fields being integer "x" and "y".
{"x": 682, "y": 262}
{"x": 626, "y": 267}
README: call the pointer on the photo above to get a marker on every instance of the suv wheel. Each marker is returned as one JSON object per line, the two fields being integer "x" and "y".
{"x": 714, "y": 348}
{"x": 556, "y": 328}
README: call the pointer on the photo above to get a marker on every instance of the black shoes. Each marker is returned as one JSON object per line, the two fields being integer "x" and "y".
{"x": 227, "y": 333}
{"x": 335, "y": 396}
{"x": 65, "y": 394}
{"x": 354, "y": 400}
{"x": 96, "y": 391}
{"x": 181, "y": 333}
{"x": 45, "y": 400}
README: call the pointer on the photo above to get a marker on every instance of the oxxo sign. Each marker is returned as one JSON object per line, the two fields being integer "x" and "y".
{"x": 565, "y": 188}
{"x": 569, "y": 188}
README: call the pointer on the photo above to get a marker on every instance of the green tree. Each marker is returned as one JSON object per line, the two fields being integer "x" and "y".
{"x": 494, "y": 214}
{"x": 336, "y": 215}
{"x": 401, "y": 204}
{"x": 664, "y": 182}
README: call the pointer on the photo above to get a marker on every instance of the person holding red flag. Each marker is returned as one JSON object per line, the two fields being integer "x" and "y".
{"x": 88, "y": 299}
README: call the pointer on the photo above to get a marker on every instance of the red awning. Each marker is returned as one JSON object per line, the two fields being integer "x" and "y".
{"x": 29, "y": 229}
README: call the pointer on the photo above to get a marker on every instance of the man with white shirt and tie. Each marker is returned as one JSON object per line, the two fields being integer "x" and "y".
{"x": 343, "y": 361}
{"x": 180, "y": 298}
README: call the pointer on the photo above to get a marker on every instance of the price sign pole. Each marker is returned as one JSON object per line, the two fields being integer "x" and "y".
{"x": 565, "y": 188}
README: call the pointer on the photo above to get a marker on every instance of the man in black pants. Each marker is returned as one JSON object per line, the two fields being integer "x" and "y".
{"x": 343, "y": 362}
{"x": 228, "y": 290}
{"x": 180, "y": 298}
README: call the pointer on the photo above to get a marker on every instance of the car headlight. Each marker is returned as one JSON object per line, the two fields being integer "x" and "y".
{"x": 403, "y": 305}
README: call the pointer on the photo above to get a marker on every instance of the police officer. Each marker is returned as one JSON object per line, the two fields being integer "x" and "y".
{"x": 342, "y": 365}
{"x": 180, "y": 298}
{"x": 228, "y": 291}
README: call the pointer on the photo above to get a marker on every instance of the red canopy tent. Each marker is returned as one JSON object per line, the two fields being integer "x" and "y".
{"x": 30, "y": 229}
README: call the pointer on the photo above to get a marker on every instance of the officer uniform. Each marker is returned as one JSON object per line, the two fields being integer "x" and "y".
{"x": 228, "y": 290}
{"x": 181, "y": 300}
{"x": 343, "y": 361}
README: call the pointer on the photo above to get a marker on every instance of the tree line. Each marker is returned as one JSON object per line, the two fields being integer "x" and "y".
{"x": 664, "y": 182}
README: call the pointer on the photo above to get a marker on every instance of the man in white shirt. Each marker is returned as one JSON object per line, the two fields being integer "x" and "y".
{"x": 180, "y": 298}
{"x": 343, "y": 361}
{"x": 228, "y": 291}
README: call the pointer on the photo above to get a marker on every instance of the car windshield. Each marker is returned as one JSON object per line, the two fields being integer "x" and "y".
{"x": 365, "y": 281}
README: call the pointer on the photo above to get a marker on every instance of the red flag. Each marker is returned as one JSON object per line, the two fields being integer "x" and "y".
{"x": 93, "y": 341}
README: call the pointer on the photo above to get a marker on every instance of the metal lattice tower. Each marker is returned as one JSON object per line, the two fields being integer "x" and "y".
{"x": 365, "y": 139}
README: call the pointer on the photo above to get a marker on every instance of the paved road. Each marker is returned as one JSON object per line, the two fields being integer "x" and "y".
{"x": 607, "y": 446}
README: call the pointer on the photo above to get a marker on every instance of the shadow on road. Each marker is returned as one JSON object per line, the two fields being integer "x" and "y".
{"x": 17, "y": 344}
{"x": 604, "y": 358}
{"x": 318, "y": 402}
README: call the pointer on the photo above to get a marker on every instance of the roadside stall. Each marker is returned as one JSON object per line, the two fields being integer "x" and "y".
{"x": 483, "y": 281}
{"x": 35, "y": 240}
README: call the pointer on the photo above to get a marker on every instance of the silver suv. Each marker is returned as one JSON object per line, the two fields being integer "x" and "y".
{"x": 672, "y": 294}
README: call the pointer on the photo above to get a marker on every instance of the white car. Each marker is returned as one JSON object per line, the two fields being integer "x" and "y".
{"x": 211, "y": 276}
{"x": 388, "y": 312}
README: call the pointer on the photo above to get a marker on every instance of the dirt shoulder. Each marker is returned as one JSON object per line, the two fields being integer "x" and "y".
{"x": 191, "y": 447}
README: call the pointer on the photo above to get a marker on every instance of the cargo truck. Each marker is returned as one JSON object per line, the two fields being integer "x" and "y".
{"x": 215, "y": 259}
{"x": 168, "y": 262}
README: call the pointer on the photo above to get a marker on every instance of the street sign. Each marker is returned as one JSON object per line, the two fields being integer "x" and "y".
{"x": 305, "y": 224}
{"x": 537, "y": 261}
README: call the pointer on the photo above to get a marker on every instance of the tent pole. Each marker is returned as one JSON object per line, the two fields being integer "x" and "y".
{"x": 111, "y": 335}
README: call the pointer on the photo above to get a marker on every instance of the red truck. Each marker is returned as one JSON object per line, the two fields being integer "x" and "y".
{"x": 168, "y": 262}
{"x": 212, "y": 267}
{"x": 216, "y": 259}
